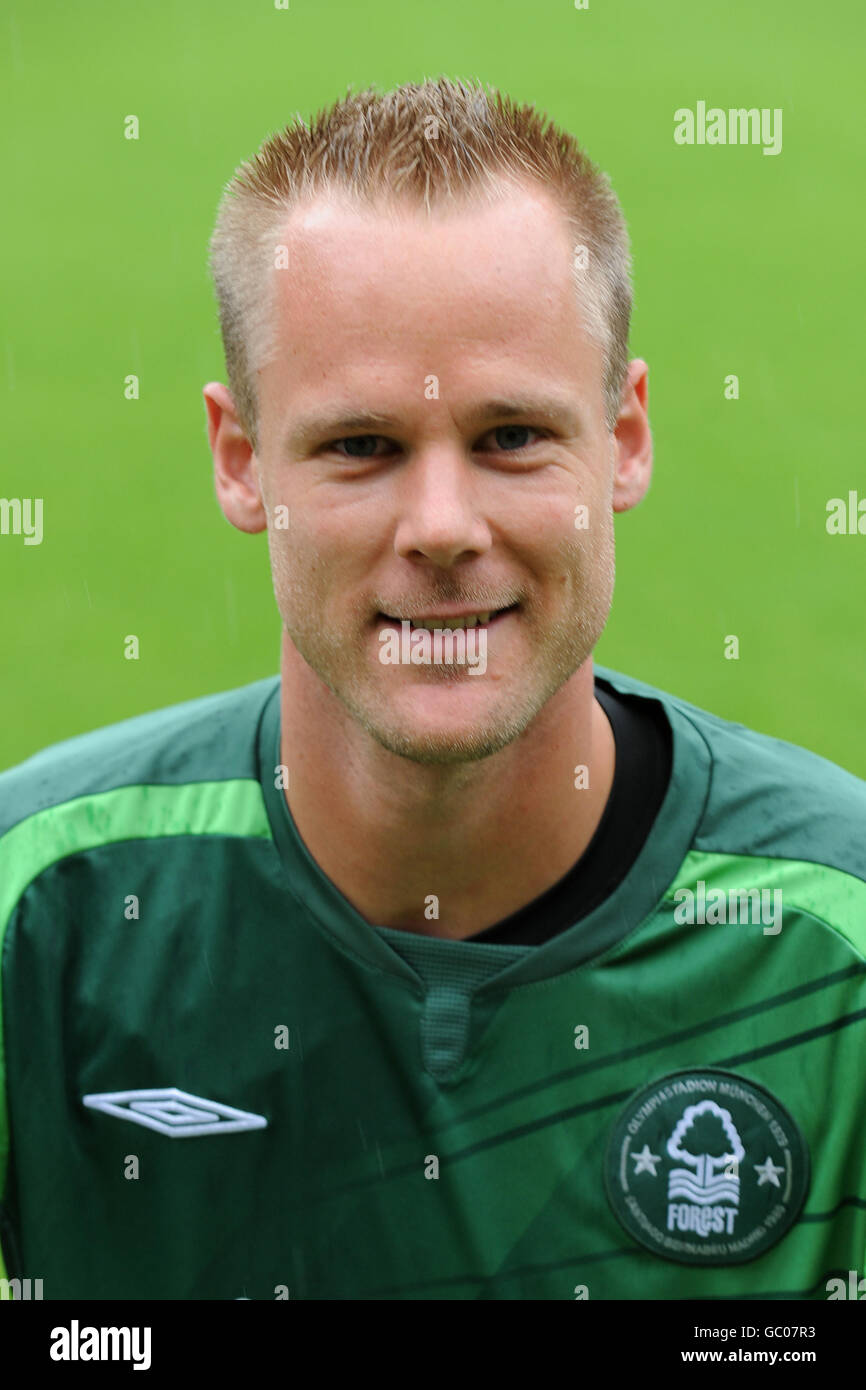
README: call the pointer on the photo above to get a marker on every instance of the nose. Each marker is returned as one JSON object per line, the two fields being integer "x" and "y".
{"x": 440, "y": 518}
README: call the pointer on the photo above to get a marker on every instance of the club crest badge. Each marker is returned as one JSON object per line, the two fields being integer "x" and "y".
{"x": 705, "y": 1167}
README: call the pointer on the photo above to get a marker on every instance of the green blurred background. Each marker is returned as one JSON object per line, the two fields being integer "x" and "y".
{"x": 744, "y": 264}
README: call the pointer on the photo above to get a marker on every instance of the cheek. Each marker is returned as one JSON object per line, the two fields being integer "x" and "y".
{"x": 293, "y": 572}
{"x": 579, "y": 557}
{"x": 317, "y": 565}
{"x": 562, "y": 511}
{"x": 282, "y": 552}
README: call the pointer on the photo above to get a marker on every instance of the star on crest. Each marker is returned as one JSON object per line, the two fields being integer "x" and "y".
{"x": 767, "y": 1172}
{"x": 645, "y": 1161}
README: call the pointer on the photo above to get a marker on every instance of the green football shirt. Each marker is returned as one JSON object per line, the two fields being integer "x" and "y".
{"x": 218, "y": 1081}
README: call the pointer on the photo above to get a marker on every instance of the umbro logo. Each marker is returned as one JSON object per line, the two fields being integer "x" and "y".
{"x": 175, "y": 1113}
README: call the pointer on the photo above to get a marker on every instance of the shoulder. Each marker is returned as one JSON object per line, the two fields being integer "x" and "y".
{"x": 766, "y": 796}
{"x": 210, "y": 738}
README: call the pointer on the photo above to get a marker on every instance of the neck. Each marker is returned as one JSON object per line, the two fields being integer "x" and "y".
{"x": 484, "y": 838}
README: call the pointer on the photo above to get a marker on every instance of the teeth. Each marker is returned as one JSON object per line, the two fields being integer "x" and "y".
{"x": 431, "y": 624}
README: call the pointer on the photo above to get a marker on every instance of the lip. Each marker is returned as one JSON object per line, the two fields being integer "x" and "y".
{"x": 447, "y": 614}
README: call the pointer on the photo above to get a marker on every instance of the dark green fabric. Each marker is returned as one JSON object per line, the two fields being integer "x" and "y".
{"x": 407, "y": 1058}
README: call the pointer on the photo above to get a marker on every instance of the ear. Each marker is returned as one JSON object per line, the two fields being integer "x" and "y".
{"x": 236, "y": 470}
{"x": 633, "y": 445}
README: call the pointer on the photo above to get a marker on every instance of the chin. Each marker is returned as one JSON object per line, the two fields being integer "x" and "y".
{"x": 425, "y": 735}
{"x": 440, "y": 748}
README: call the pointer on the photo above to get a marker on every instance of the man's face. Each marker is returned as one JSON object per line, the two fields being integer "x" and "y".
{"x": 462, "y": 337}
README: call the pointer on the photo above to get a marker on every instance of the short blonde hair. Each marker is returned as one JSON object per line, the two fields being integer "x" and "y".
{"x": 427, "y": 143}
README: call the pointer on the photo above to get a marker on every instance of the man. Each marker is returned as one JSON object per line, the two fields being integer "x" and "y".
{"x": 429, "y": 969}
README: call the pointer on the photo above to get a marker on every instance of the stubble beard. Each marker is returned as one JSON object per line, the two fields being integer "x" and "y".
{"x": 567, "y": 643}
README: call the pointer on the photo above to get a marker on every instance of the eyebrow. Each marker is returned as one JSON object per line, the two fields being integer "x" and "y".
{"x": 555, "y": 410}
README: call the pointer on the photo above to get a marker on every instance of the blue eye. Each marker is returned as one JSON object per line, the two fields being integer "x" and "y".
{"x": 359, "y": 446}
{"x": 509, "y": 439}
{"x": 513, "y": 436}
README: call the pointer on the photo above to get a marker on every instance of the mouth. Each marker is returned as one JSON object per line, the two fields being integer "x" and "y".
{"x": 432, "y": 622}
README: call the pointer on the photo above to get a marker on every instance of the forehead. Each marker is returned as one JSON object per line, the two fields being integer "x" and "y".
{"x": 393, "y": 290}
{"x": 345, "y": 258}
